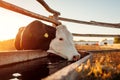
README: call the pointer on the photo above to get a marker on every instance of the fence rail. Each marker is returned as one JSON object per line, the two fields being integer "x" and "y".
{"x": 52, "y": 20}
{"x": 95, "y": 23}
{"x": 48, "y": 8}
{"x": 95, "y": 35}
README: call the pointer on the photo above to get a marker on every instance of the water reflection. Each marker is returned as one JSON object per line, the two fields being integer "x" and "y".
{"x": 15, "y": 79}
{"x": 16, "y": 74}
{"x": 31, "y": 70}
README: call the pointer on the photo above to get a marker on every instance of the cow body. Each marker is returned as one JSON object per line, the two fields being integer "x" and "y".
{"x": 58, "y": 40}
{"x": 36, "y": 35}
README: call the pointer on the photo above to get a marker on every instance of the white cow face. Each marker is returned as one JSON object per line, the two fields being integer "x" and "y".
{"x": 63, "y": 44}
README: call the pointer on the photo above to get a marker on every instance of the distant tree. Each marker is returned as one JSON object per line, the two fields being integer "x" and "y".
{"x": 117, "y": 40}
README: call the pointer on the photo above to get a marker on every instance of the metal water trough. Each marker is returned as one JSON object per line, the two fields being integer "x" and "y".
{"x": 35, "y": 65}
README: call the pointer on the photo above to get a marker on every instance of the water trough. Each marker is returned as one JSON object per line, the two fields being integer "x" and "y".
{"x": 35, "y": 65}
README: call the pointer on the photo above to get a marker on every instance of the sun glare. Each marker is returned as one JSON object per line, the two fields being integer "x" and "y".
{"x": 10, "y": 23}
{"x": 7, "y": 29}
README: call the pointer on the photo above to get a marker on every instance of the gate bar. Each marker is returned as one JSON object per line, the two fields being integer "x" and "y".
{"x": 95, "y": 35}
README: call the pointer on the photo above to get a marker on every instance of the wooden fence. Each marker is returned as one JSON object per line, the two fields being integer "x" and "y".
{"x": 55, "y": 19}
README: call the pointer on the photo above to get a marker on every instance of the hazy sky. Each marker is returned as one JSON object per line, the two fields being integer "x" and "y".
{"x": 86, "y": 10}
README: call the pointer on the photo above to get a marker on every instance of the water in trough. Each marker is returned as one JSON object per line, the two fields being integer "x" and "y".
{"x": 32, "y": 70}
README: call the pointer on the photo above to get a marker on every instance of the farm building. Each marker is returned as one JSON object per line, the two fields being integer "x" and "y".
{"x": 105, "y": 42}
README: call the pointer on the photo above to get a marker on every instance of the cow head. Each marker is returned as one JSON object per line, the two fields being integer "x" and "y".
{"x": 63, "y": 44}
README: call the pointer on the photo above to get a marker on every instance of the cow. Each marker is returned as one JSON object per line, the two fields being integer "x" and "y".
{"x": 38, "y": 35}
{"x": 35, "y": 35}
{"x": 63, "y": 44}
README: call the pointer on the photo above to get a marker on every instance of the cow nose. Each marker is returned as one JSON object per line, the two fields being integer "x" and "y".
{"x": 76, "y": 57}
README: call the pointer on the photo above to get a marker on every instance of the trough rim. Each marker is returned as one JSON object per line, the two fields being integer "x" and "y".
{"x": 68, "y": 72}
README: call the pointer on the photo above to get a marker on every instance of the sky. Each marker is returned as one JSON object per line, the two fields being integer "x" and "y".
{"x": 85, "y": 10}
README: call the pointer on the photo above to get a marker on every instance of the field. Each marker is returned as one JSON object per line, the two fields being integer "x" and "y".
{"x": 96, "y": 47}
{"x": 103, "y": 66}
{"x": 9, "y": 45}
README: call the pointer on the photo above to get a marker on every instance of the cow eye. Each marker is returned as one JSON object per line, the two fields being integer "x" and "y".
{"x": 60, "y": 39}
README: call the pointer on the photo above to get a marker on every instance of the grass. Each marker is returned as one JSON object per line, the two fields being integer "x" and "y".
{"x": 103, "y": 66}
